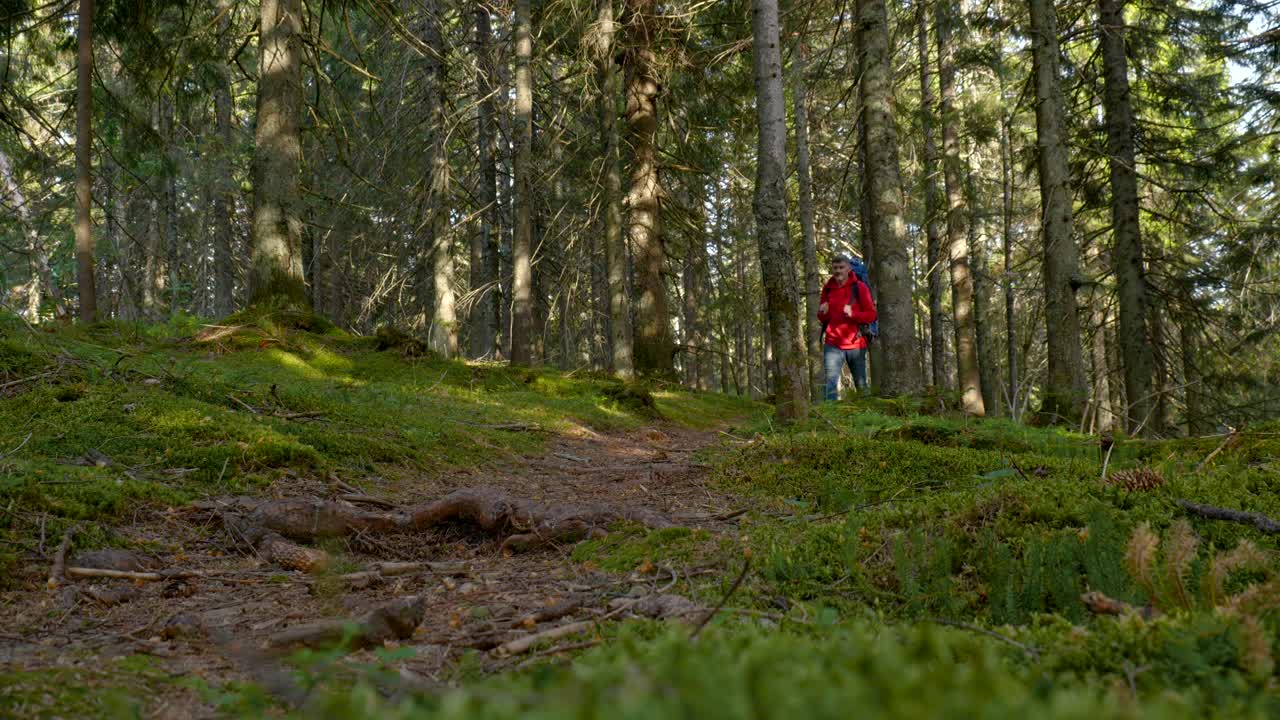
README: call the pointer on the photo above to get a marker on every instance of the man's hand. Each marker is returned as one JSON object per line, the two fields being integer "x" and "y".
{"x": 848, "y": 311}
{"x": 822, "y": 308}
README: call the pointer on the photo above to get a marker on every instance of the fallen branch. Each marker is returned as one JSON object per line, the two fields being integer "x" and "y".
{"x": 746, "y": 567}
{"x": 523, "y": 644}
{"x": 57, "y": 574}
{"x": 363, "y": 499}
{"x": 20, "y": 381}
{"x": 381, "y": 571}
{"x": 394, "y": 621}
{"x": 1232, "y": 437}
{"x": 1260, "y": 522}
{"x": 1031, "y": 652}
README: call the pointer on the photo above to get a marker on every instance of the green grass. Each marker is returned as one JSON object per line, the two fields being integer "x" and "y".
{"x": 167, "y": 417}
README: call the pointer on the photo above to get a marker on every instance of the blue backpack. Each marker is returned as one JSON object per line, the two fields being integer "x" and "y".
{"x": 871, "y": 331}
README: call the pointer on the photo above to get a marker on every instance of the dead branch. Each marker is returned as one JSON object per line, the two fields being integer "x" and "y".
{"x": 1260, "y": 522}
{"x": 57, "y": 574}
{"x": 746, "y": 567}
{"x": 112, "y": 596}
{"x": 1031, "y": 652}
{"x": 21, "y": 381}
{"x": 523, "y": 644}
{"x": 394, "y": 621}
{"x": 551, "y": 612}
{"x": 381, "y": 571}
{"x": 362, "y": 499}
{"x": 1232, "y": 438}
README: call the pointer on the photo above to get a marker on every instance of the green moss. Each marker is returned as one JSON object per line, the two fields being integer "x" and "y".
{"x": 628, "y": 549}
{"x": 103, "y": 688}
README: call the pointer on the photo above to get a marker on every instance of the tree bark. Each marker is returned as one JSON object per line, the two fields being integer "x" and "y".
{"x": 444, "y": 319}
{"x": 1198, "y": 423}
{"x": 224, "y": 197}
{"x": 1064, "y": 390}
{"x": 1006, "y": 242}
{"x": 898, "y": 372}
{"x": 812, "y": 328}
{"x": 484, "y": 245}
{"x": 86, "y": 287}
{"x": 777, "y": 267}
{"x": 620, "y": 342}
{"x": 987, "y": 364}
{"x": 1131, "y": 282}
{"x": 522, "y": 243}
{"x": 653, "y": 341}
{"x": 968, "y": 373}
{"x": 275, "y": 272}
{"x": 169, "y": 197}
{"x": 932, "y": 202}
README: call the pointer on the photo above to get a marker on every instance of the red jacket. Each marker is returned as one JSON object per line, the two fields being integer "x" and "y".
{"x": 842, "y": 328}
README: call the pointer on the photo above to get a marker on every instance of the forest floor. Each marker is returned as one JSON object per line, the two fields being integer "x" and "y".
{"x": 305, "y": 523}
{"x": 204, "y": 629}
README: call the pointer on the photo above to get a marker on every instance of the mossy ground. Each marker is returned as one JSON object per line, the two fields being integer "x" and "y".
{"x": 908, "y": 565}
{"x": 163, "y": 414}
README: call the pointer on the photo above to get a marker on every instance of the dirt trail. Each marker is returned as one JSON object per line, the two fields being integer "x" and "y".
{"x": 214, "y": 626}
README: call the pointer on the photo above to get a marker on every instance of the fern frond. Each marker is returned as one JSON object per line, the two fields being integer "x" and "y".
{"x": 1255, "y": 654}
{"x": 1180, "y": 548}
{"x": 1140, "y": 558}
{"x": 1245, "y": 556}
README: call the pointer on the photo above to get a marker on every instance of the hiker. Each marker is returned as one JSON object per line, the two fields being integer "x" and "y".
{"x": 845, "y": 307}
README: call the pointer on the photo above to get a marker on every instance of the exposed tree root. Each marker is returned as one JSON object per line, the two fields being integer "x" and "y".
{"x": 275, "y": 527}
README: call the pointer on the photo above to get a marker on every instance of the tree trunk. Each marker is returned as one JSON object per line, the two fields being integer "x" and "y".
{"x": 1006, "y": 242}
{"x": 275, "y": 271}
{"x": 932, "y": 202}
{"x": 653, "y": 341}
{"x": 169, "y": 196}
{"x": 620, "y": 342}
{"x": 977, "y": 242}
{"x": 522, "y": 244}
{"x": 968, "y": 374}
{"x": 224, "y": 192}
{"x": 813, "y": 329}
{"x": 444, "y": 318}
{"x": 1198, "y": 423}
{"x": 777, "y": 268}
{"x": 1103, "y": 413}
{"x": 1131, "y": 282}
{"x": 484, "y": 246}
{"x": 1064, "y": 391}
{"x": 84, "y": 166}
{"x": 898, "y": 373}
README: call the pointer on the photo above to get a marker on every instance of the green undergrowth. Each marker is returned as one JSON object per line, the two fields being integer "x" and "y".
{"x": 834, "y": 665}
{"x": 103, "y": 418}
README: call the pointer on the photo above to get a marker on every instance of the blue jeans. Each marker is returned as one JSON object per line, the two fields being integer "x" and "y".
{"x": 833, "y": 362}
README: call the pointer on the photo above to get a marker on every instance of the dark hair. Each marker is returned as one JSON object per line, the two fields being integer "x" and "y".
{"x": 844, "y": 259}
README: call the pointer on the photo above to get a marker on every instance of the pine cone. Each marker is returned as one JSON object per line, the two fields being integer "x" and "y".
{"x": 293, "y": 556}
{"x": 1139, "y": 480}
